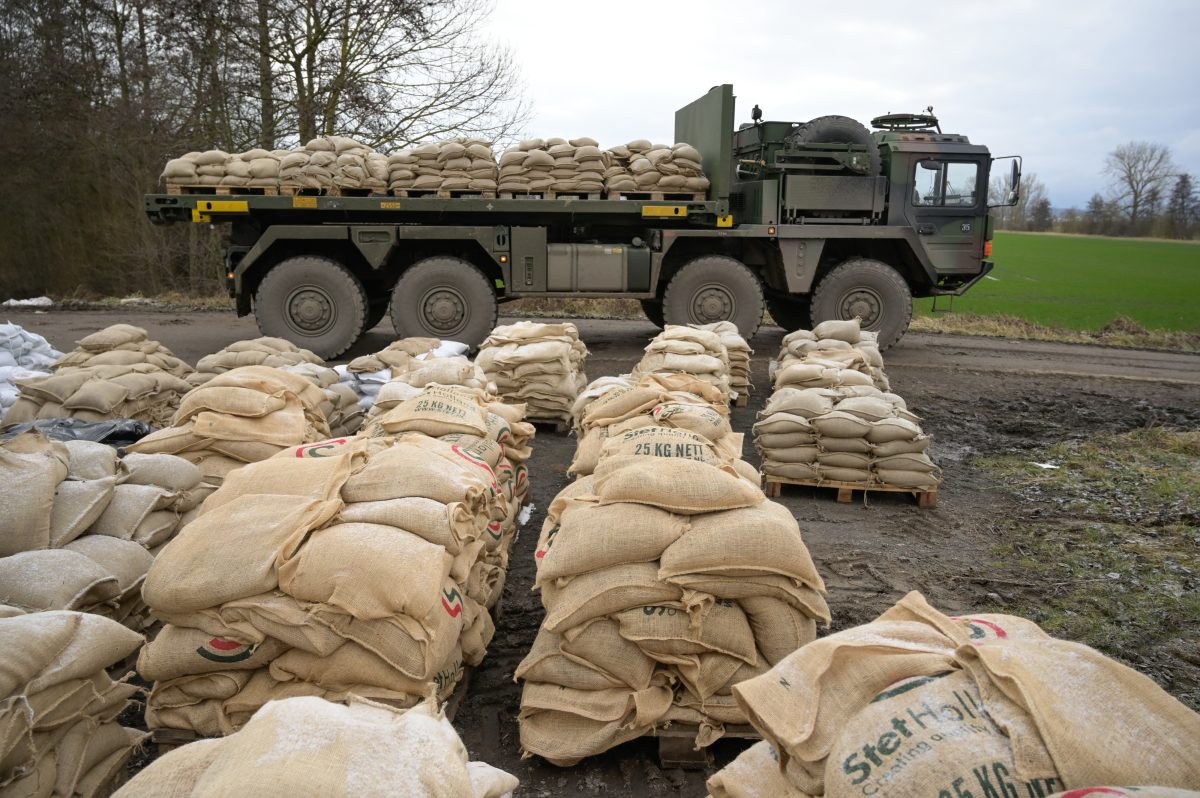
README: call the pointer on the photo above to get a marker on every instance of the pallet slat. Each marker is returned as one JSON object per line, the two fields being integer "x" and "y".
{"x": 773, "y": 487}
{"x": 677, "y": 744}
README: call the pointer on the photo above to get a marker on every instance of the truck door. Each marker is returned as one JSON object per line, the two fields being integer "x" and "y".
{"x": 946, "y": 207}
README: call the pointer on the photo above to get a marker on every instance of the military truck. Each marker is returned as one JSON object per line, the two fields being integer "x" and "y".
{"x": 820, "y": 220}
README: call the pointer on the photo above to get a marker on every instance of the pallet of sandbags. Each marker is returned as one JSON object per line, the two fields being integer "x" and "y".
{"x": 539, "y": 365}
{"x": 680, "y": 349}
{"x": 739, "y": 353}
{"x": 362, "y": 566}
{"x": 667, "y": 578}
{"x": 643, "y": 170}
{"x": 117, "y": 372}
{"x": 59, "y": 733}
{"x": 23, "y": 355}
{"x": 916, "y": 703}
{"x": 407, "y": 360}
{"x": 79, "y": 526}
{"x": 463, "y": 164}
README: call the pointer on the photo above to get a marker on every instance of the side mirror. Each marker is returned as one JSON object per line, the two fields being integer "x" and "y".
{"x": 932, "y": 166}
{"x": 1011, "y": 191}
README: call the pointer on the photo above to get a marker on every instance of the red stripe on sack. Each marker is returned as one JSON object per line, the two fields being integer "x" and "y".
{"x": 540, "y": 553}
{"x": 1093, "y": 791}
{"x": 999, "y": 630}
{"x": 454, "y": 611}
{"x": 322, "y": 445}
{"x": 221, "y": 644}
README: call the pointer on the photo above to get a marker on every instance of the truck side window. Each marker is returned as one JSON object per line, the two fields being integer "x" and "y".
{"x": 946, "y": 183}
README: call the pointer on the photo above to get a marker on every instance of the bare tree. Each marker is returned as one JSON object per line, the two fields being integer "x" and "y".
{"x": 1015, "y": 217}
{"x": 1138, "y": 172}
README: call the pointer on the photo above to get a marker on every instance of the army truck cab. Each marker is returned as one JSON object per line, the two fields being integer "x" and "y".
{"x": 818, "y": 220}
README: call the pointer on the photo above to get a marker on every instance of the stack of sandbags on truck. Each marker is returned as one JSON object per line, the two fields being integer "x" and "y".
{"x": 614, "y": 405}
{"x": 461, "y": 164}
{"x": 540, "y": 365}
{"x": 738, "y": 351}
{"x": 617, "y": 177}
{"x": 527, "y": 168}
{"x": 78, "y": 526}
{"x": 58, "y": 705}
{"x": 254, "y": 168}
{"x": 680, "y": 349}
{"x": 670, "y": 169}
{"x": 334, "y": 161}
{"x": 839, "y": 345}
{"x": 578, "y": 165}
{"x": 361, "y": 566}
{"x": 667, "y": 578}
{"x": 22, "y": 355}
{"x": 115, "y": 373}
{"x": 917, "y": 703}
{"x": 242, "y": 416}
{"x": 306, "y": 746}
{"x": 366, "y": 375}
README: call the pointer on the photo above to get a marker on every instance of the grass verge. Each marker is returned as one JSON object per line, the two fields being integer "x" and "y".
{"x": 1122, "y": 331}
{"x": 1105, "y": 548}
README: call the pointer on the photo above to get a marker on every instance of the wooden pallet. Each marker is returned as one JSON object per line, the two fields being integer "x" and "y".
{"x": 226, "y": 191}
{"x": 657, "y": 196}
{"x": 329, "y": 191}
{"x": 773, "y": 486}
{"x": 677, "y": 744}
{"x": 742, "y": 400}
{"x": 582, "y": 195}
{"x": 437, "y": 193}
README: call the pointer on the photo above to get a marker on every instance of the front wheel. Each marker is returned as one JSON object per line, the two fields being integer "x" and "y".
{"x": 314, "y": 302}
{"x": 653, "y": 310}
{"x": 715, "y": 288}
{"x": 870, "y": 290}
{"x": 444, "y": 297}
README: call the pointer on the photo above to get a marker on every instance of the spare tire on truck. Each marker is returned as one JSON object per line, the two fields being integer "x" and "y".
{"x": 869, "y": 290}
{"x": 313, "y": 301}
{"x": 840, "y": 130}
{"x": 444, "y": 297}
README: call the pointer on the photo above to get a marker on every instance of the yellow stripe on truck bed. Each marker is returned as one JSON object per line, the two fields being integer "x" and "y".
{"x": 664, "y": 210}
{"x": 203, "y": 208}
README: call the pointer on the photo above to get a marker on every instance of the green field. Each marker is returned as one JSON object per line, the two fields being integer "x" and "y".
{"x": 1085, "y": 282}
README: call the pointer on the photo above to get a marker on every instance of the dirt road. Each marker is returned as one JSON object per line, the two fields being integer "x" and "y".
{"x": 977, "y": 397}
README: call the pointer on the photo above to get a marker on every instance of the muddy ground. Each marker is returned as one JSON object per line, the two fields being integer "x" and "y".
{"x": 978, "y": 397}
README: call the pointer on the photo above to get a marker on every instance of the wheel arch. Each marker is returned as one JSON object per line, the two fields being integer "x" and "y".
{"x": 895, "y": 252}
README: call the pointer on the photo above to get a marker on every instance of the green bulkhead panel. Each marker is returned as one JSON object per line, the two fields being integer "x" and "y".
{"x": 707, "y": 124}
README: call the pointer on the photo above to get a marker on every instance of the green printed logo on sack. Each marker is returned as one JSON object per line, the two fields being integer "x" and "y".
{"x": 452, "y": 602}
{"x": 982, "y": 629}
{"x": 498, "y": 429}
{"x": 321, "y": 449}
{"x": 479, "y": 463}
{"x": 928, "y": 736}
{"x": 541, "y": 553}
{"x": 218, "y": 649}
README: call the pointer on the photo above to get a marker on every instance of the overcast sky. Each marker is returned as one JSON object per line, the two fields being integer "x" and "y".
{"x": 1061, "y": 82}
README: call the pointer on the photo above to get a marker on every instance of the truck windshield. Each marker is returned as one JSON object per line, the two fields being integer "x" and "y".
{"x": 945, "y": 183}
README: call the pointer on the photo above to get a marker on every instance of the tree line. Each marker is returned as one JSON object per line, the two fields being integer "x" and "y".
{"x": 1147, "y": 195}
{"x": 99, "y": 94}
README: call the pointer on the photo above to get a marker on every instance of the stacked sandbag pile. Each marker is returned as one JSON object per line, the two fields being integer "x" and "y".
{"x": 115, "y": 373}
{"x": 461, "y": 164}
{"x": 527, "y": 168}
{"x": 917, "y": 703}
{"x": 324, "y": 162}
{"x": 840, "y": 345}
{"x": 680, "y": 349}
{"x": 306, "y": 746}
{"x": 256, "y": 168}
{"x": 827, "y": 421}
{"x": 611, "y": 406}
{"x": 359, "y": 566}
{"x": 22, "y": 355}
{"x": 366, "y": 375}
{"x": 407, "y": 383}
{"x": 241, "y": 416}
{"x": 79, "y": 527}
{"x": 58, "y": 705}
{"x": 642, "y": 166}
{"x": 739, "y": 353}
{"x": 540, "y": 365}
{"x": 667, "y": 578}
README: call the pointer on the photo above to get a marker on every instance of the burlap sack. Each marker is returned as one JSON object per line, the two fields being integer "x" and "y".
{"x": 668, "y": 629}
{"x": 448, "y": 525}
{"x": 620, "y": 404}
{"x": 230, "y": 551}
{"x": 779, "y": 628}
{"x": 369, "y": 571}
{"x": 546, "y": 663}
{"x": 593, "y": 536}
{"x": 764, "y": 539}
{"x": 756, "y": 773}
{"x": 680, "y": 485}
{"x": 598, "y": 644}
{"x": 426, "y": 468}
{"x": 55, "y": 579}
{"x": 31, "y": 467}
{"x": 77, "y": 505}
{"x": 848, "y": 331}
{"x": 414, "y": 646}
{"x": 352, "y": 666}
{"x": 805, "y": 471}
{"x": 257, "y": 618}
{"x": 438, "y": 410}
{"x": 291, "y": 473}
{"x": 662, "y": 442}
{"x": 178, "y": 651}
{"x": 90, "y": 460}
{"x": 605, "y": 592}
{"x": 129, "y": 562}
{"x": 129, "y": 506}
{"x": 163, "y": 470}
{"x": 49, "y": 649}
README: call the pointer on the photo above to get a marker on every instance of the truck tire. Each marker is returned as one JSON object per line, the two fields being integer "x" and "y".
{"x": 870, "y": 290}
{"x": 312, "y": 301}
{"x": 653, "y": 309}
{"x": 840, "y": 130}
{"x": 444, "y": 297}
{"x": 376, "y": 310}
{"x": 715, "y": 288}
{"x": 790, "y": 312}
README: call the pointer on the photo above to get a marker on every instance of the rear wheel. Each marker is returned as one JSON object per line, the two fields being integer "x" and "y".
{"x": 653, "y": 308}
{"x": 312, "y": 301}
{"x": 715, "y": 288}
{"x": 791, "y": 313}
{"x": 867, "y": 289}
{"x": 376, "y": 310}
{"x": 444, "y": 297}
